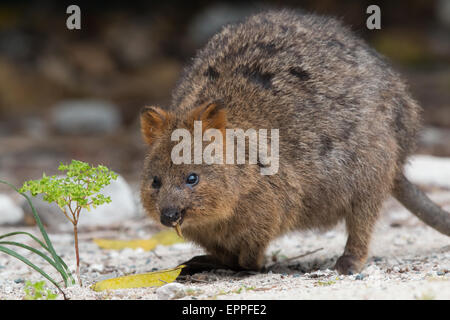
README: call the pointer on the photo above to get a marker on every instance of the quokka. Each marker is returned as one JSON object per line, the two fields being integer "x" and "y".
{"x": 346, "y": 126}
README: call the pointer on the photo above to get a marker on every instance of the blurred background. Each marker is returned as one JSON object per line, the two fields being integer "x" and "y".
{"x": 76, "y": 94}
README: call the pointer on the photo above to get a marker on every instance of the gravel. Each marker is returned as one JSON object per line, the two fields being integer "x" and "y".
{"x": 418, "y": 269}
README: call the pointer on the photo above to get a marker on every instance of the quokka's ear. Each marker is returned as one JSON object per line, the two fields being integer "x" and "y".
{"x": 153, "y": 122}
{"x": 213, "y": 116}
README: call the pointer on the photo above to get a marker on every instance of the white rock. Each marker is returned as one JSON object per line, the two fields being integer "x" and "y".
{"x": 85, "y": 117}
{"x": 97, "y": 267}
{"x": 171, "y": 291}
{"x": 428, "y": 170}
{"x": 443, "y": 12}
{"x": 121, "y": 208}
{"x": 10, "y": 213}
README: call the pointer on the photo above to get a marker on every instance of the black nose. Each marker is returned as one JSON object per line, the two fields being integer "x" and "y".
{"x": 169, "y": 216}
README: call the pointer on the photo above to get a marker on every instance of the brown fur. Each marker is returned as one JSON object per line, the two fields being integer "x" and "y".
{"x": 346, "y": 121}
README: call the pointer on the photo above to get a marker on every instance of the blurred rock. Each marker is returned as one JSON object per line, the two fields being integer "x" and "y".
{"x": 122, "y": 207}
{"x": 443, "y": 12}
{"x": 208, "y": 22}
{"x": 85, "y": 117}
{"x": 171, "y": 291}
{"x": 428, "y": 170}
{"x": 10, "y": 213}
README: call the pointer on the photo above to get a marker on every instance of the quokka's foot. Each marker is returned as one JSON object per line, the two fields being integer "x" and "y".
{"x": 348, "y": 265}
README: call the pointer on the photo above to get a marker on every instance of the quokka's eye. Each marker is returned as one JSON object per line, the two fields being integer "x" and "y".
{"x": 156, "y": 184}
{"x": 192, "y": 179}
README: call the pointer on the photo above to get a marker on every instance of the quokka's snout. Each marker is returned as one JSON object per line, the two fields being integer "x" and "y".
{"x": 172, "y": 216}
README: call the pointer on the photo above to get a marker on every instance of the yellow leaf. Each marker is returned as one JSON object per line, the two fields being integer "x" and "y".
{"x": 151, "y": 279}
{"x": 167, "y": 237}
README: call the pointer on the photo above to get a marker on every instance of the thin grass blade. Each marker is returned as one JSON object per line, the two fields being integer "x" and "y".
{"x": 32, "y": 265}
{"x": 34, "y": 250}
{"x": 63, "y": 274}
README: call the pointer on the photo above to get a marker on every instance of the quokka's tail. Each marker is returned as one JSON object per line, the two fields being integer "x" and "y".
{"x": 419, "y": 204}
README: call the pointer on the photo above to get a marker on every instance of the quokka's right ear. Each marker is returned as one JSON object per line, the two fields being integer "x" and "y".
{"x": 154, "y": 121}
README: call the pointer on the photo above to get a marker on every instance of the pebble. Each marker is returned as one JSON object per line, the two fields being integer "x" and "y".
{"x": 359, "y": 276}
{"x": 377, "y": 259}
{"x": 97, "y": 267}
{"x": 399, "y": 242}
{"x": 171, "y": 291}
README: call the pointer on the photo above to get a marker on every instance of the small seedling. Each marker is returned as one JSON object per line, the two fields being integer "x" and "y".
{"x": 276, "y": 255}
{"x": 325, "y": 283}
{"x": 36, "y": 291}
{"x": 238, "y": 291}
{"x": 78, "y": 189}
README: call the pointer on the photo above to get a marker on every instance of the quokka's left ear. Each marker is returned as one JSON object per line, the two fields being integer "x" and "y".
{"x": 213, "y": 116}
{"x": 154, "y": 121}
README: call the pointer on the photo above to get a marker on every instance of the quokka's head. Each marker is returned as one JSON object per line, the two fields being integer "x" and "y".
{"x": 188, "y": 194}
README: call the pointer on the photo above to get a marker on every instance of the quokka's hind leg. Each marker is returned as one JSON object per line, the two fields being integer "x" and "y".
{"x": 360, "y": 223}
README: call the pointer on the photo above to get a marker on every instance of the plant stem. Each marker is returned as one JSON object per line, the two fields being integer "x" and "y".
{"x": 75, "y": 232}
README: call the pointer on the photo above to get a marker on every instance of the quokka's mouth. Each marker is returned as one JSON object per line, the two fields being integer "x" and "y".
{"x": 179, "y": 221}
{"x": 177, "y": 224}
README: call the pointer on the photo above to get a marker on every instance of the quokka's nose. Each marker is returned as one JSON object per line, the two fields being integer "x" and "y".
{"x": 169, "y": 216}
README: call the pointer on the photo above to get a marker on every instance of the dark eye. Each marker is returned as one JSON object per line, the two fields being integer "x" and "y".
{"x": 192, "y": 179}
{"x": 156, "y": 184}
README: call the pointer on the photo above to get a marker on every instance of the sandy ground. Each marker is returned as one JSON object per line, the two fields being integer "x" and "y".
{"x": 408, "y": 260}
